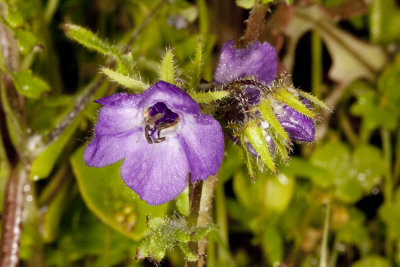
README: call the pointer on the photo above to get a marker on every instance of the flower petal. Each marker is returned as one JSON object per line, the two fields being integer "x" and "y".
{"x": 157, "y": 172}
{"x": 257, "y": 60}
{"x": 175, "y": 98}
{"x": 115, "y": 120}
{"x": 203, "y": 142}
{"x": 297, "y": 125}
{"x": 120, "y": 100}
{"x": 108, "y": 149}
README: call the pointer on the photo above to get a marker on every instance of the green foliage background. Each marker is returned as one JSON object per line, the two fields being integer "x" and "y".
{"x": 344, "y": 52}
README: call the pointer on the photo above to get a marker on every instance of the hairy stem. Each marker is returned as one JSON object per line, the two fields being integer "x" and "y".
{"x": 255, "y": 24}
{"x": 204, "y": 214}
{"x": 195, "y": 190}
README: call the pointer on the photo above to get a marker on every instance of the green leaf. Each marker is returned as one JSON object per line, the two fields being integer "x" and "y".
{"x": 279, "y": 192}
{"x": 26, "y": 40}
{"x": 107, "y": 196}
{"x": 247, "y": 4}
{"x": 90, "y": 40}
{"x": 13, "y": 17}
{"x": 351, "y": 174}
{"x": 167, "y": 68}
{"x": 373, "y": 114}
{"x": 352, "y": 230}
{"x": 4, "y": 171}
{"x": 169, "y": 233}
{"x": 29, "y": 85}
{"x": 254, "y": 134}
{"x": 135, "y": 85}
{"x": 182, "y": 203}
{"x": 272, "y": 243}
{"x": 269, "y": 115}
{"x": 44, "y": 163}
{"x": 286, "y": 97}
{"x": 372, "y": 261}
{"x": 197, "y": 65}
{"x": 207, "y": 97}
{"x": 390, "y": 214}
{"x": 384, "y": 21}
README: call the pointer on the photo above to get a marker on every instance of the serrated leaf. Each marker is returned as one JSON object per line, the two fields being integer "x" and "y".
{"x": 254, "y": 134}
{"x": 167, "y": 72}
{"x": 135, "y": 85}
{"x": 107, "y": 196}
{"x": 167, "y": 234}
{"x": 29, "y": 85}
{"x": 269, "y": 115}
{"x": 207, "y": 97}
{"x": 286, "y": 97}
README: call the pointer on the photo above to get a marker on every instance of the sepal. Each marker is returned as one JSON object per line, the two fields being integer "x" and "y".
{"x": 254, "y": 135}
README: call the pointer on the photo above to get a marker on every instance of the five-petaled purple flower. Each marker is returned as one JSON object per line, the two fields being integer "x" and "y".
{"x": 162, "y": 137}
{"x": 259, "y": 61}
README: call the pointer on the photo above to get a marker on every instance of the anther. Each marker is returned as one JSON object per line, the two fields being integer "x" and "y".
{"x": 155, "y": 118}
{"x": 146, "y": 134}
{"x": 160, "y": 139}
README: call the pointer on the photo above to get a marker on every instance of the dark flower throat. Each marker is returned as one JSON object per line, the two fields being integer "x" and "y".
{"x": 159, "y": 117}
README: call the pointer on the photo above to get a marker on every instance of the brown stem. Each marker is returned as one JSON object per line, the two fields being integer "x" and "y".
{"x": 255, "y": 24}
{"x": 80, "y": 104}
{"x": 12, "y": 216}
{"x": 195, "y": 190}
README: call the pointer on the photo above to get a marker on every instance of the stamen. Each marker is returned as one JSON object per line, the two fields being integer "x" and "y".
{"x": 159, "y": 118}
{"x": 146, "y": 134}
{"x": 160, "y": 139}
{"x": 153, "y": 119}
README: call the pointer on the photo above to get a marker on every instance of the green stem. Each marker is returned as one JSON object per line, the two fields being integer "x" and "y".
{"x": 221, "y": 216}
{"x": 396, "y": 171}
{"x": 387, "y": 155}
{"x": 388, "y": 189}
{"x": 316, "y": 65}
{"x": 324, "y": 248}
{"x": 50, "y": 9}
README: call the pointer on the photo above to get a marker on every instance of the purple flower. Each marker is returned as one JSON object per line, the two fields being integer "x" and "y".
{"x": 162, "y": 137}
{"x": 259, "y": 61}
